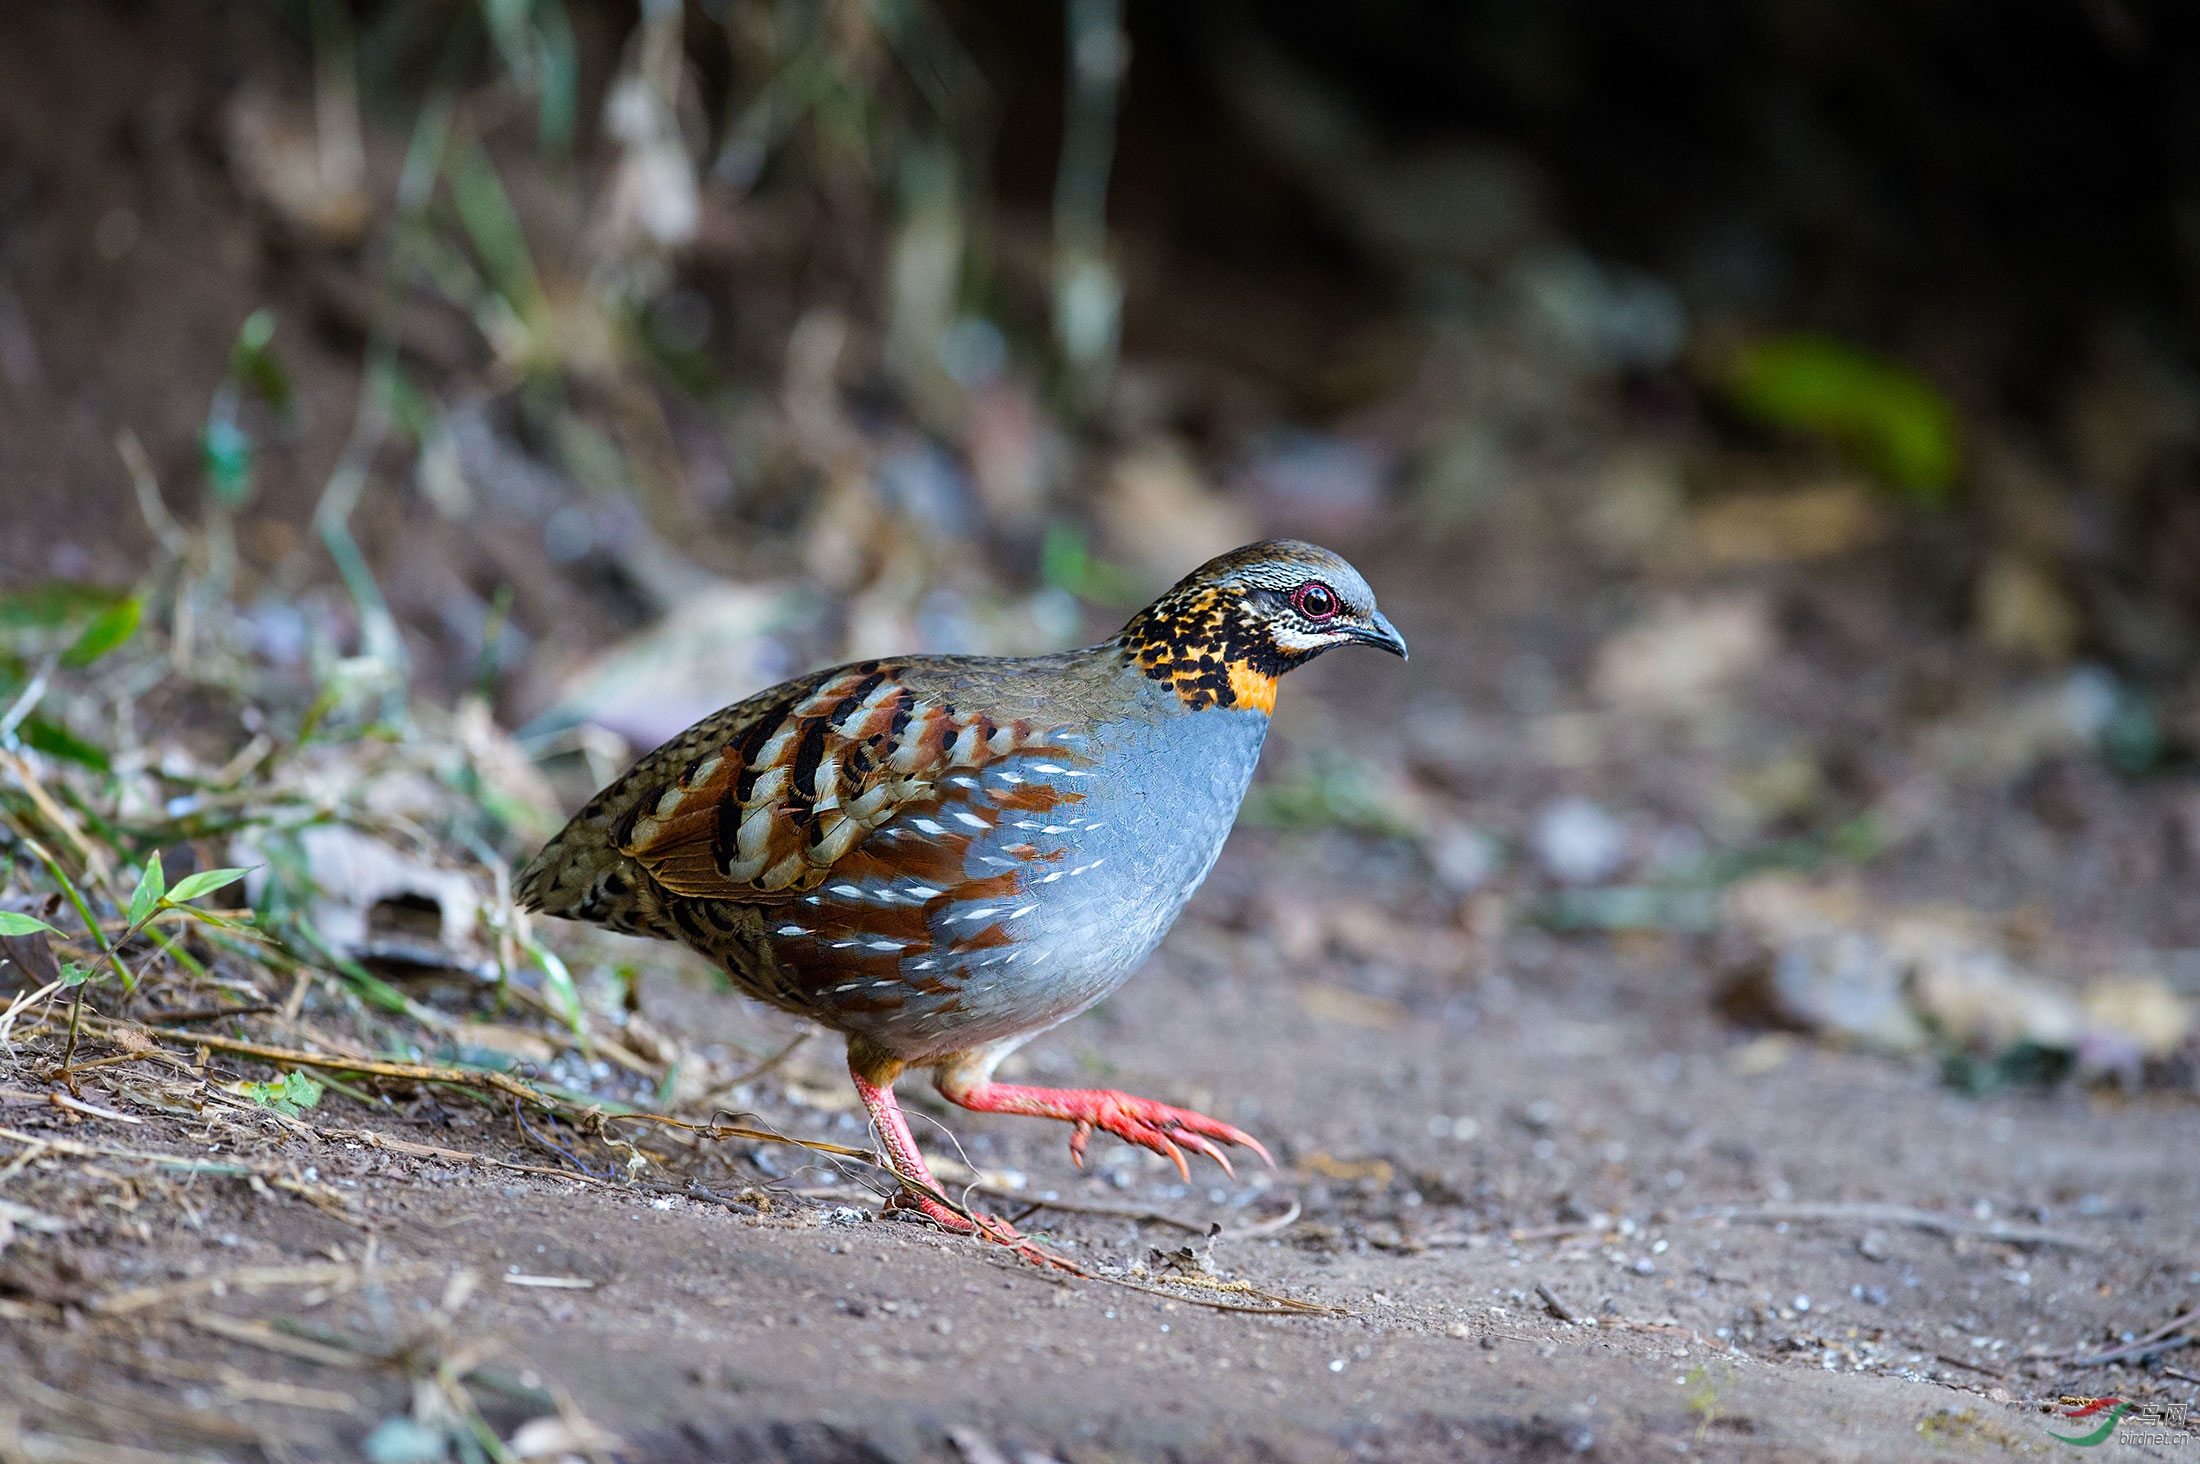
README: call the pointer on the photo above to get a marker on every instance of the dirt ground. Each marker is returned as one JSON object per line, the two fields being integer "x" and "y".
{"x": 1709, "y": 1203}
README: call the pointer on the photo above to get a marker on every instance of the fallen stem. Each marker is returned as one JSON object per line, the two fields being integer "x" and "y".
{"x": 2161, "y": 1339}
{"x": 1875, "y": 1213}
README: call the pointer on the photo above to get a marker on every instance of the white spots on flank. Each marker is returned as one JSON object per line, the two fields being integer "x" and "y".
{"x": 848, "y": 891}
{"x": 970, "y": 820}
{"x": 929, "y": 826}
{"x": 789, "y": 930}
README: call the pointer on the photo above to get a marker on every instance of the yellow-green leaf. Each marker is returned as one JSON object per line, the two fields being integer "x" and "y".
{"x": 109, "y": 629}
{"x": 150, "y": 887}
{"x": 1896, "y": 422}
{"x": 205, "y": 882}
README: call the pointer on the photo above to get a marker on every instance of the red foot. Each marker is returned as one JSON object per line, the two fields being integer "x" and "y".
{"x": 919, "y": 1187}
{"x": 1134, "y": 1120}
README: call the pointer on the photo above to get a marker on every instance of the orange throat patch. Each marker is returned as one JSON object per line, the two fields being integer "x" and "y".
{"x": 1254, "y": 688}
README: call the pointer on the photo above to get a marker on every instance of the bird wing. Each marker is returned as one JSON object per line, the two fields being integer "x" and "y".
{"x": 763, "y": 801}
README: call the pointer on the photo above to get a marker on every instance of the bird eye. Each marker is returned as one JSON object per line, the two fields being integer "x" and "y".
{"x": 1314, "y": 600}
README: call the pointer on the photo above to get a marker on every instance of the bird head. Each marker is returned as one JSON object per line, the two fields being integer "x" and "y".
{"x": 1228, "y": 629}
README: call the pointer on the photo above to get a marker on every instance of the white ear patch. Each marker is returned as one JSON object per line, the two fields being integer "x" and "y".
{"x": 1293, "y": 639}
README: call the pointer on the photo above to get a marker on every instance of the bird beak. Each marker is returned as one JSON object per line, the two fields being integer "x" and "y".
{"x": 1381, "y": 634}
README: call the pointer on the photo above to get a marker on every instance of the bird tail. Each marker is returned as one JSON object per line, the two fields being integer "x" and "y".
{"x": 581, "y": 875}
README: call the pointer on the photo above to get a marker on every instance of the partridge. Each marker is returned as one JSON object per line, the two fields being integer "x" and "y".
{"x": 943, "y": 856}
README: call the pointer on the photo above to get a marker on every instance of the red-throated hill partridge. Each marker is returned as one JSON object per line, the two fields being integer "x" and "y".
{"x": 942, "y": 856}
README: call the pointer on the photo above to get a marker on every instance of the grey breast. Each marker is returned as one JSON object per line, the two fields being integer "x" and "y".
{"x": 1100, "y": 877}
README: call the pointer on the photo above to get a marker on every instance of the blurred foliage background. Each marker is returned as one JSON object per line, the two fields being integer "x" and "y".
{"x": 515, "y": 381}
{"x": 846, "y": 327}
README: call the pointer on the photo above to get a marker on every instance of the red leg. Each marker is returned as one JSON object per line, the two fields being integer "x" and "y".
{"x": 1140, "y": 1121}
{"x": 903, "y": 1157}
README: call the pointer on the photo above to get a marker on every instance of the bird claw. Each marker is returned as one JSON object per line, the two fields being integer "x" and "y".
{"x": 1159, "y": 1127}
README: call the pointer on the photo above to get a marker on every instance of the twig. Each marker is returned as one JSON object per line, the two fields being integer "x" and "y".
{"x": 319, "y": 1196}
{"x": 519, "y": 1117}
{"x": 766, "y": 1066}
{"x": 245, "y": 1278}
{"x": 1552, "y": 1232}
{"x": 52, "y": 1448}
{"x": 102, "y": 1403}
{"x": 1254, "y": 1231}
{"x": 372, "y": 1067}
{"x": 2158, "y": 1340}
{"x": 1874, "y": 1213}
{"x": 260, "y": 1334}
{"x": 63, "y": 1100}
{"x": 375, "y": 1140}
{"x": 27, "y": 703}
{"x": 23, "y": 1003}
{"x": 718, "y": 1131}
{"x": 54, "y": 814}
{"x": 1970, "y": 1366}
{"x": 1186, "y": 1290}
{"x": 215, "y": 1014}
{"x": 1553, "y": 1305}
{"x": 150, "y": 504}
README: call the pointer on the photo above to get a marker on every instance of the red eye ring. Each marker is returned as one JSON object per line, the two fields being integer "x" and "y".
{"x": 1314, "y": 600}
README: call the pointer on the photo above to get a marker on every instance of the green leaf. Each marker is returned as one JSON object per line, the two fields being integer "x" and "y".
{"x": 55, "y": 740}
{"x": 1065, "y": 563}
{"x": 226, "y": 451}
{"x": 51, "y": 606}
{"x": 13, "y": 924}
{"x": 74, "y": 975}
{"x": 289, "y": 1094}
{"x": 493, "y": 226}
{"x": 109, "y": 629}
{"x": 254, "y": 367}
{"x": 1899, "y": 424}
{"x": 558, "y": 989}
{"x": 205, "y": 882}
{"x": 151, "y": 886}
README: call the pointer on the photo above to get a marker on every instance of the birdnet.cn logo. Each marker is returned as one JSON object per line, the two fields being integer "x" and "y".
{"x": 2098, "y": 1420}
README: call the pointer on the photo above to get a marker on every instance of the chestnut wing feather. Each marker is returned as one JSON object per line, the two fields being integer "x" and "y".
{"x": 770, "y": 811}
